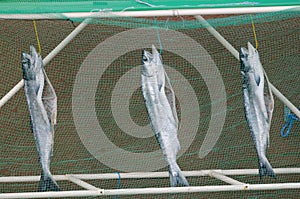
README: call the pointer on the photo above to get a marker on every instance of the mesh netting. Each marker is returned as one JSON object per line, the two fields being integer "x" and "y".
{"x": 71, "y": 6}
{"x": 93, "y": 61}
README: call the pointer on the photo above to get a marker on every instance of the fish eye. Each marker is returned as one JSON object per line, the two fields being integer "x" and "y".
{"x": 145, "y": 58}
{"x": 243, "y": 56}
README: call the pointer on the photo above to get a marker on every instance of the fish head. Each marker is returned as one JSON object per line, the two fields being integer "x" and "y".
{"x": 31, "y": 64}
{"x": 28, "y": 71}
{"x": 149, "y": 67}
{"x": 250, "y": 63}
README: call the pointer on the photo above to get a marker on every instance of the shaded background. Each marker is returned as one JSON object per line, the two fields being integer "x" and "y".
{"x": 278, "y": 37}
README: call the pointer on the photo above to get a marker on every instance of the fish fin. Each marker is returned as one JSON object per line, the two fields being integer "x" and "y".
{"x": 269, "y": 100}
{"x": 257, "y": 79}
{"x": 177, "y": 177}
{"x": 47, "y": 183}
{"x": 49, "y": 99}
{"x": 269, "y": 103}
{"x": 265, "y": 168}
{"x": 171, "y": 97}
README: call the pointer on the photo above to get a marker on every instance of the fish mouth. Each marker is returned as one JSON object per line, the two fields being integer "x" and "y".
{"x": 33, "y": 51}
{"x": 251, "y": 49}
{"x": 154, "y": 50}
{"x": 244, "y": 53}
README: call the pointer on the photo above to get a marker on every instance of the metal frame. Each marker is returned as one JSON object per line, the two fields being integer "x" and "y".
{"x": 90, "y": 190}
{"x": 151, "y": 13}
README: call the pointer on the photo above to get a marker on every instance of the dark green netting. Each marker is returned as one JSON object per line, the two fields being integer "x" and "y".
{"x": 278, "y": 38}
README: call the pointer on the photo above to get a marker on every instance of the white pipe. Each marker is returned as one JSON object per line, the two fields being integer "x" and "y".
{"x": 235, "y": 53}
{"x": 152, "y": 13}
{"x": 81, "y": 183}
{"x": 225, "y": 178}
{"x": 98, "y": 192}
{"x": 255, "y": 171}
{"x": 137, "y": 175}
{"x": 57, "y": 194}
{"x": 47, "y": 59}
{"x": 218, "y": 36}
{"x": 163, "y": 190}
{"x": 285, "y": 100}
{"x": 191, "y": 189}
{"x": 11, "y": 93}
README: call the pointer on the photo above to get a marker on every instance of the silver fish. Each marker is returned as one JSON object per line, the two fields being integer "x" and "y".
{"x": 258, "y": 106}
{"x": 160, "y": 103}
{"x": 42, "y": 106}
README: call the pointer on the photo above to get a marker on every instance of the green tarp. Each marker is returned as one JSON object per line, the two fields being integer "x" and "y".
{"x": 67, "y": 6}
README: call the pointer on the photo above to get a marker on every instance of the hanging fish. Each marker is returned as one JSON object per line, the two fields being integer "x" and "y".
{"x": 258, "y": 107}
{"x": 42, "y": 106}
{"x": 160, "y": 103}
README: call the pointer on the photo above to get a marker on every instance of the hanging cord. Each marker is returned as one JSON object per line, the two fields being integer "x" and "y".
{"x": 289, "y": 121}
{"x": 158, "y": 36}
{"x": 265, "y": 74}
{"x": 254, "y": 32}
{"x": 118, "y": 183}
{"x": 155, "y": 23}
{"x": 37, "y": 37}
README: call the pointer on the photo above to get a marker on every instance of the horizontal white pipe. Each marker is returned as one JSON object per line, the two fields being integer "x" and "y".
{"x": 192, "y": 189}
{"x": 235, "y": 53}
{"x": 164, "y": 190}
{"x": 98, "y": 192}
{"x": 47, "y": 59}
{"x": 151, "y": 13}
{"x": 137, "y": 175}
{"x": 57, "y": 194}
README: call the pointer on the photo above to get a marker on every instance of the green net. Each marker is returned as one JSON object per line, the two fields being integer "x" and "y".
{"x": 99, "y": 70}
{"x": 64, "y": 6}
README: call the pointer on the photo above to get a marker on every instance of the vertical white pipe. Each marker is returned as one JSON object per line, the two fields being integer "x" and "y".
{"x": 47, "y": 59}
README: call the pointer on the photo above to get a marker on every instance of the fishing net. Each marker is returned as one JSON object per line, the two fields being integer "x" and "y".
{"x": 102, "y": 124}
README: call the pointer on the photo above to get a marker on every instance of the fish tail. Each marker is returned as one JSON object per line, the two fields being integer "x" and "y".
{"x": 177, "y": 177}
{"x": 265, "y": 168}
{"x": 47, "y": 183}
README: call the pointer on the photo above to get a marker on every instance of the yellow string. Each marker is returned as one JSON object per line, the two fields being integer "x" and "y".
{"x": 37, "y": 36}
{"x": 254, "y": 33}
